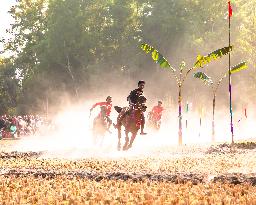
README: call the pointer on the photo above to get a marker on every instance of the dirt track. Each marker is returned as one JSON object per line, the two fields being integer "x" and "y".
{"x": 211, "y": 164}
{"x": 188, "y": 175}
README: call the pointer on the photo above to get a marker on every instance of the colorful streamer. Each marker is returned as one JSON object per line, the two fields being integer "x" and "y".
{"x": 187, "y": 108}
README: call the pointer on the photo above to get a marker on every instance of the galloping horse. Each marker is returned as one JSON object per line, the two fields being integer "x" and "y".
{"x": 100, "y": 126}
{"x": 131, "y": 122}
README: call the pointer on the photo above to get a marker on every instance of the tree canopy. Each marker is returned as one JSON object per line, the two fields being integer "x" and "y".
{"x": 75, "y": 46}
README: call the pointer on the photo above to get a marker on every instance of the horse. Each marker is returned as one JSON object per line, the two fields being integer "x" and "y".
{"x": 100, "y": 126}
{"x": 131, "y": 120}
{"x": 154, "y": 121}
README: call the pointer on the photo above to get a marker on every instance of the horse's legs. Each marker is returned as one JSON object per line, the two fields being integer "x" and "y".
{"x": 126, "y": 141}
{"x": 119, "y": 138}
{"x": 132, "y": 139}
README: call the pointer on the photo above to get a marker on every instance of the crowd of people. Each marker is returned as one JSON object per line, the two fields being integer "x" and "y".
{"x": 20, "y": 126}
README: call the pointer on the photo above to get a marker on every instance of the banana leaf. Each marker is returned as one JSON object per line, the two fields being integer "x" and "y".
{"x": 238, "y": 67}
{"x": 156, "y": 56}
{"x": 203, "y": 77}
{"x": 204, "y": 60}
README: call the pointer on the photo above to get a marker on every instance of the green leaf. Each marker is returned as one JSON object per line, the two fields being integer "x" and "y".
{"x": 203, "y": 77}
{"x": 147, "y": 48}
{"x": 204, "y": 60}
{"x": 156, "y": 56}
{"x": 238, "y": 67}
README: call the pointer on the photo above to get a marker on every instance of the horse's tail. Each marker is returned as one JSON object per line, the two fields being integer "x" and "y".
{"x": 118, "y": 109}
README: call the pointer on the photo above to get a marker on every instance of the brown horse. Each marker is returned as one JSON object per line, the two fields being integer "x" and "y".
{"x": 131, "y": 120}
{"x": 100, "y": 126}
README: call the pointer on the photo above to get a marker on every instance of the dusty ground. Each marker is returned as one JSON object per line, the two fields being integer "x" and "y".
{"x": 170, "y": 175}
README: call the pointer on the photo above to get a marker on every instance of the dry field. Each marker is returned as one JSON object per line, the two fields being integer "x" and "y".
{"x": 171, "y": 175}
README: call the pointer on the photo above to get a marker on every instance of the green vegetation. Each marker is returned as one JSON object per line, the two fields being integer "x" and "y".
{"x": 62, "y": 47}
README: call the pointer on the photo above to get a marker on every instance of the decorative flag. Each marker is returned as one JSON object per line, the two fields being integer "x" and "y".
{"x": 230, "y": 11}
{"x": 187, "y": 109}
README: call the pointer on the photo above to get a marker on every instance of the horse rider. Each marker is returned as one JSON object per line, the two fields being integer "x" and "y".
{"x": 156, "y": 112}
{"x": 108, "y": 106}
{"x": 133, "y": 100}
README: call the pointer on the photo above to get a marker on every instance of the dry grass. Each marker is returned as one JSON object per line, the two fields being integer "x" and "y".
{"x": 60, "y": 190}
{"x": 60, "y": 187}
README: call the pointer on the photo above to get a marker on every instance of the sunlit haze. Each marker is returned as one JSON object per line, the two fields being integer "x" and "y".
{"x": 72, "y": 137}
{"x": 5, "y": 18}
{"x": 178, "y": 76}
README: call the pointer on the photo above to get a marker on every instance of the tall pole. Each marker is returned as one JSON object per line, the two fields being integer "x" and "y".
{"x": 213, "y": 122}
{"x": 180, "y": 116}
{"x": 229, "y": 73}
{"x": 180, "y": 81}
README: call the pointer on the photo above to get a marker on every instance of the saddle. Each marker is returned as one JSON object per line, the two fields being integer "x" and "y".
{"x": 130, "y": 113}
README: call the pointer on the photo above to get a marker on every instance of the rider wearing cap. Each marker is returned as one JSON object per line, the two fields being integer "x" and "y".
{"x": 108, "y": 107}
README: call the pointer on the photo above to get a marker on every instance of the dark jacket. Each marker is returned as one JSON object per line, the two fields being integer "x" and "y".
{"x": 134, "y": 96}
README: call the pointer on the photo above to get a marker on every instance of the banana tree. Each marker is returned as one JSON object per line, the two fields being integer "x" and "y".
{"x": 182, "y": 74}
{"x": 208, "y": 81}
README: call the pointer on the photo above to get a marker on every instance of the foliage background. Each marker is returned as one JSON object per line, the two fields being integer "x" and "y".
{"x": 63, "y": 51}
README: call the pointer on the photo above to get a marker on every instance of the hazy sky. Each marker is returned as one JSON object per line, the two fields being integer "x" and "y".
{"x": 5, "y": 17}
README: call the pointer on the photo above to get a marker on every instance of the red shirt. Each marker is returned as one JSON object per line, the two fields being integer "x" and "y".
{"x": 107, "y": 105}
{"x": 157, "y": 112}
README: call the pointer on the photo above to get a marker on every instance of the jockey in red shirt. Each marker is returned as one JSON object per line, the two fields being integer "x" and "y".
{"x": 156, "y": 113}
{"x": 108, "y": 106}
